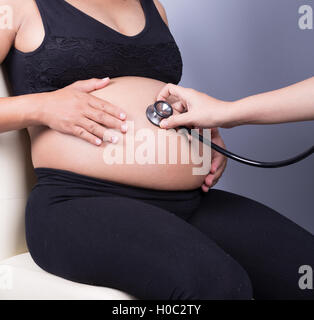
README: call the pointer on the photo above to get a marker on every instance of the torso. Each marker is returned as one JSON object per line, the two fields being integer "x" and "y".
{"x": 41, "y": 53}
{"x": 31, "y": 32}
{"x": 56, "y": 150}
{"x": 58, "y": 44}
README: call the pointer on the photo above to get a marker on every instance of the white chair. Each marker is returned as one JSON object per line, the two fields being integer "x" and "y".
{"x": 20, "y": 277}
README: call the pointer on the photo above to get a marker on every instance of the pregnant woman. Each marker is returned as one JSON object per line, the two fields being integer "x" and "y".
{"x": 146, "y": 229}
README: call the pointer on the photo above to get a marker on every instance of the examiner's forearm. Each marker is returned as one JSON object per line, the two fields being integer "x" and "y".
{"x": 19, "y": 112}
{"x": 290, "y": 104}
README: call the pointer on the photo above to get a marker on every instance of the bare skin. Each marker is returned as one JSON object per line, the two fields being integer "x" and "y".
{"x": 71, "y": 138}
{"x": 291, "y": 104}
{"x": 70, "y": 153}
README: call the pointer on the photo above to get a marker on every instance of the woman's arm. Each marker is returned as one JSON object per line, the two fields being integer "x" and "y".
{"x": 13, "y": 115}
{"x": 85, "y": 116}
{"x": 290, "y": 104}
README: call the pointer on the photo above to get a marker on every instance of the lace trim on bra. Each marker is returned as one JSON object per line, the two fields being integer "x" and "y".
{"x": 64, "y": 60}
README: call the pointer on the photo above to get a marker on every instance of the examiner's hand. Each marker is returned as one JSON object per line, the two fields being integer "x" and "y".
{"x": 219, "y": 163}
{"x": 74, "y": 110}
{"x": 196, "y": 108}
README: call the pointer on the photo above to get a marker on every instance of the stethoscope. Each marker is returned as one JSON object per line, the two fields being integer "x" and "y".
{"x": 162, "y": 110}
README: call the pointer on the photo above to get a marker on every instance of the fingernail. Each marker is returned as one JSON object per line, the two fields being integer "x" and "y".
{"x": 163, "y": 124}
{"x": 105, "y": 79}
{"x": 122, "y": 116}
{"x": 114, "y": 139}
{"x": 98, "y": 142}
{"x": 124, "y": 128}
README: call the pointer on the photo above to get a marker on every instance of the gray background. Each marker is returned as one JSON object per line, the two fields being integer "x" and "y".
{"x": 235, "y": 48}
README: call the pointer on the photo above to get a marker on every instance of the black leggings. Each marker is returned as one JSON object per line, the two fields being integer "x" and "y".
{"x": 183, "y": 245}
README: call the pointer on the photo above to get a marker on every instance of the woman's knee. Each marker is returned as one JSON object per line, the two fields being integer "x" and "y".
{"x": 204, "y": 279}
{"x": 227, "y": 281}
{"x": 234, "y": 283}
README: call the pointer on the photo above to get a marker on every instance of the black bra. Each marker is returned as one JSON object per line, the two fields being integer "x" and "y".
{"x": 78, "y": 47}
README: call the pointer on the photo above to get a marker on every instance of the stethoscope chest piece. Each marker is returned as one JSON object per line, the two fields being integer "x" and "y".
{"x": 158, "y": 111}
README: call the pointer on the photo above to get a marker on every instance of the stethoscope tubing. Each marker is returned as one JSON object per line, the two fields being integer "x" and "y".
{"x": 151, "y": 113}
{"x": 253, "y": 163}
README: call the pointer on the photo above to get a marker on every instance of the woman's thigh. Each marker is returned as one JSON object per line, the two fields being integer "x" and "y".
{"x": 131, "y": 246}
{"x": 270, "y": 247}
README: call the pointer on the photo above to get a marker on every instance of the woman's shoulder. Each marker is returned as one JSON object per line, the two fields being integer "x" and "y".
{"x": 161, "y": 10}
{"x": 14, "y": 12}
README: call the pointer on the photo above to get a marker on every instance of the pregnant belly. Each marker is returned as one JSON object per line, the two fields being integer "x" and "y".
{"x": 146, "y": 157}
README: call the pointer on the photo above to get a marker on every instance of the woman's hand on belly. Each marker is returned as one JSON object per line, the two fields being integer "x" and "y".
{"x": 74, "y": 110}
{"x": 150, "y": 167}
